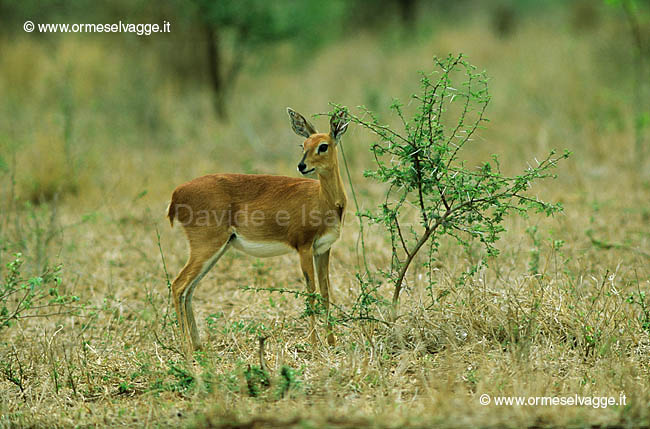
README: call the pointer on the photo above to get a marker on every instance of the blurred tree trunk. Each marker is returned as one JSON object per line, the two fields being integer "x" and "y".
{"x": 407, "y": 10}
{"x": 214, "y": 70}
{"x": 222, "y": 75}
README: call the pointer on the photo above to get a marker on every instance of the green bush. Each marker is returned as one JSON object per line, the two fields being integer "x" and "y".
{"x": 422, "y": 167}
{"x": 34, "y": 296}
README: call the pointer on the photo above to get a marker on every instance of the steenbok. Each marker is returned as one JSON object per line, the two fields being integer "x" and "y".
{"x": 264, "y": 215}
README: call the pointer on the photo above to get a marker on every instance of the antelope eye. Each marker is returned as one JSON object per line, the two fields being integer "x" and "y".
{"x": 322, "y": 148}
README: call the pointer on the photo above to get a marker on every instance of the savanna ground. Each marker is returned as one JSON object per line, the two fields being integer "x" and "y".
{"x": 94, "y": 139}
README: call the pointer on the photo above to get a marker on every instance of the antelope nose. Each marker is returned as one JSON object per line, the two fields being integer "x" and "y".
{"x": 301, "y": 167}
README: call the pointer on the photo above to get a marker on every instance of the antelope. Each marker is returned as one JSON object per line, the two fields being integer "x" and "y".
{"x": 263, "y": 216}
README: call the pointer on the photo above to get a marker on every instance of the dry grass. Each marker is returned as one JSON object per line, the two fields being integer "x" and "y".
{"x": 504, "y": 331}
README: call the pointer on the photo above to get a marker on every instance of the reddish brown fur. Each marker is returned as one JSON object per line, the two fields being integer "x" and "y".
{"x": 223, "y": 196}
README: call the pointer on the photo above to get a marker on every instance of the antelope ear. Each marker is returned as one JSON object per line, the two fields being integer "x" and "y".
{"x": 338, "y": 125}
{"x": 300, "y": 125}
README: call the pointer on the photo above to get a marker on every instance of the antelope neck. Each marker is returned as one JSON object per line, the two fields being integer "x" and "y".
{"x": 331, "y": 188}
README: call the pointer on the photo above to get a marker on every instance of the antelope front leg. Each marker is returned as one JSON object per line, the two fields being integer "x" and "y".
{"x": 307, "y": 265}
{"x": 322, "y": 268}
